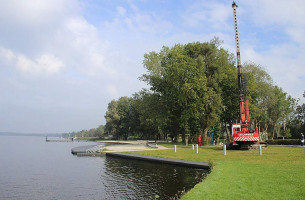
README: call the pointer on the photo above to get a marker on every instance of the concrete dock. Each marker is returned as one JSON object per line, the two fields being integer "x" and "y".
{"x": 90, "y": 150}
{"x": 184, "y": 163}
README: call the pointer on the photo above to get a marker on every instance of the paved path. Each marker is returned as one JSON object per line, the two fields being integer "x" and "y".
{"x": 130, "y": 147}
{"x": 117, "y": 146}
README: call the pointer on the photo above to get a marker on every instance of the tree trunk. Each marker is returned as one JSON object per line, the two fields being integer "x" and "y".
{"x": 205, "y": 136}
{"x": 273, "y": 131}
{"x": 229, "y": 135}
{"x": 186, "y": 140}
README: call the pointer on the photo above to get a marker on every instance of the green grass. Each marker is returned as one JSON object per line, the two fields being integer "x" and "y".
{"x": 278, "y": 174}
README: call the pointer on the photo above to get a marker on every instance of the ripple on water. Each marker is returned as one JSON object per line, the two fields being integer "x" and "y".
{"x": 142, "y": 180}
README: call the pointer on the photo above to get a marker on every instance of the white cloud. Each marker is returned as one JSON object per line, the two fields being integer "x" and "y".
{"x": 7, "y": 54}
{"x": 208, "y": 13}
{"x": 49, "y": 63}
{"x": 136, "y": 23}
{"x": 46, "y": 63}
{"x": 57, "y": 28}
{"x": 288, "y": 15}
{"x": 121, "y": 10}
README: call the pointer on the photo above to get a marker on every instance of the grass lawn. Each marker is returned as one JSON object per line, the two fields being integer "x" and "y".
{"x": 278, "y": 174}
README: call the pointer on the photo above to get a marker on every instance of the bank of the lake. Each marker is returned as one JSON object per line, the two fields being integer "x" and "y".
{"x": 278, "y": 174}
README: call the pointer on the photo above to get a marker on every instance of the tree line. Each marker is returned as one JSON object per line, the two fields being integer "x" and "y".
{"x": 193, "y": 90}
{"x": 93, "y": 132}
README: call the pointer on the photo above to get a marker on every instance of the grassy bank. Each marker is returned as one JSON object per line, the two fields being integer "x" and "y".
{"x": 278, "y": 174}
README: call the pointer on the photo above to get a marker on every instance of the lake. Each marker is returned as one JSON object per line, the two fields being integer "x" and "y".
{"x": 31, "y": 168}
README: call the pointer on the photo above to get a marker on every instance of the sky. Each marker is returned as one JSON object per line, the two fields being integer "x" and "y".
{"x": 63, "y": 61}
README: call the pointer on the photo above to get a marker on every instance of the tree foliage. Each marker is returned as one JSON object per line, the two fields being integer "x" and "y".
{"x": 270, "y": 106}
{"x": 118, "y": 118}
{"x": 193, "y": 89}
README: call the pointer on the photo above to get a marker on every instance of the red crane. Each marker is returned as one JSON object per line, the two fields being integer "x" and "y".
{"x": 243, "y": 133}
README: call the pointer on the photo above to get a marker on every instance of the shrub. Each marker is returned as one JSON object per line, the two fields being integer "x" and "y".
{"x": 284, "y": 142}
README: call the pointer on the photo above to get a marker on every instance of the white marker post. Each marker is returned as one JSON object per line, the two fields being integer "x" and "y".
{"x": 196, "y": 148}
{"x": 260, "y": 150}
{"x": 175, "y": 148}
{"x": 193, "y": 146}
{"x": 224, "y": 149}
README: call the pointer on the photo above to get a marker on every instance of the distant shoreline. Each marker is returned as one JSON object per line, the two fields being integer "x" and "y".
{"x": 30, "y": 134}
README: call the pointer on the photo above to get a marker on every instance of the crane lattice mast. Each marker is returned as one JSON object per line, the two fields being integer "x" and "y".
{"x": 243, "y": 133}
{"x": 244, "y": 111}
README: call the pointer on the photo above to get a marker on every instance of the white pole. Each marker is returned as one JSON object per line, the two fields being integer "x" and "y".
{"x": 196, "y": 148}
{"x": 224, "y": 149}
{"x": 260, "y": 150}
{"x": 175, "y": 148}
{"x": 193, "y": 146}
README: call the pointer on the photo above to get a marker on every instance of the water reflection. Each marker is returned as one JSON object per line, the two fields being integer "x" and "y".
{"x": 143, "y": 180}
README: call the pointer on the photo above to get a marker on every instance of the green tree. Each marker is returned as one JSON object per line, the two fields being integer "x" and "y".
{"x": 100, "y": 131}
{"x": 297, "y": 123}
{"x": 188, "y": 79}
{"x": 270, "y": 106}
{"x": 117, "y": 118}
{"x": 112, "y": 119}
{"x": 151, "y": 118}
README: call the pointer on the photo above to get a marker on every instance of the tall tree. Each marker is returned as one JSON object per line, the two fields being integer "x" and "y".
{"x": 118, "y": 121}
{"x": 270, "y": 106}
{"x": 297, "y": 123}
{"x": 100, "y": 131}
{"x": 151, "y": 116}
{"x": 112, "y": 119}
{"x": 188, "y": 78}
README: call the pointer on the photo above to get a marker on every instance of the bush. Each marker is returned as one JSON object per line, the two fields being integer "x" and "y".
{"x": 134, "y": 137}
{"x": 284, "y": 142}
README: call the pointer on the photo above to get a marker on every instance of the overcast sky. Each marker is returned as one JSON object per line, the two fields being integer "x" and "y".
{"x": 63, "y": 61}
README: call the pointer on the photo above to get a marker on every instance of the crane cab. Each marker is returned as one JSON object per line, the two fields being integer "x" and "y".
{"x": 244, "y": 135}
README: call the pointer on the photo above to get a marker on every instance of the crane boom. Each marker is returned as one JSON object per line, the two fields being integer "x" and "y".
{"x": 243, "y": 116}
{"x": 240, "y": 81}
{"x": 242, "y": 131}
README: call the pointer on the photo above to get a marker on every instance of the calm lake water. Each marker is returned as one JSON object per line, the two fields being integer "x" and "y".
{"x": 31, "y": 168}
